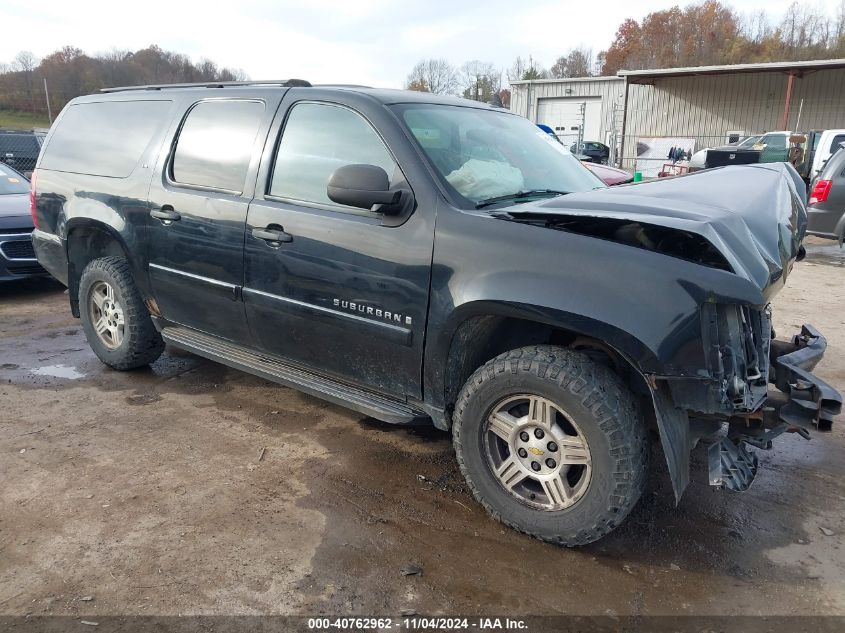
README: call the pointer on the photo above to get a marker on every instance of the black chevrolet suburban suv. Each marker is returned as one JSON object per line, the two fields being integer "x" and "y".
{"x": 421, "y": 258}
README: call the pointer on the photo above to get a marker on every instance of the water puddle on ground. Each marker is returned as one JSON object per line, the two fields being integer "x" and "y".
{"x": 830, "y": 254}
{"x": 58, "y": 371}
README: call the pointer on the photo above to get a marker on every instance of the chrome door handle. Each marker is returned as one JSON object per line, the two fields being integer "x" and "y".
{"x": 272, "y": 235}
{"x": 166, "y": 214}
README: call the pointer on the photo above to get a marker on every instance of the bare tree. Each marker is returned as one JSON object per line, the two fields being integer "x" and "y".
{"x": 24, "y": 62}
{"x": 479, "y": 80}
{"x": 839, "y": 29}
{"x": 756, "y": 27}
{"x": 523, "y": 69}
{"x": 433, "y": 75}
{"x": 70, "y": 72}
{"x": 578, "y": 62}
{"x": 805, "y": 33}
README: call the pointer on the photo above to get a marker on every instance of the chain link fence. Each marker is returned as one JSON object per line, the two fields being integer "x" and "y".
{"x": 19, "y": 149}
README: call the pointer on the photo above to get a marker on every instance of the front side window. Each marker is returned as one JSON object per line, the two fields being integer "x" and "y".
{"x": 775, "y": 141}
{"x": 836, "y": 143}
{"x": 215, "y": 144}
{"x": 484, "y": 155}
{"x": 750, "y": 141}
{"x": 317, "y": 139}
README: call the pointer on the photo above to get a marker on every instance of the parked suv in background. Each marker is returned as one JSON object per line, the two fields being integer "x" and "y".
{"x": 826, "y": 208}
{"x": 17, "y": 257}
{"x": 594, "y": 151}
{"x": 19, "y": 149}
{"x": 417, "y": 257}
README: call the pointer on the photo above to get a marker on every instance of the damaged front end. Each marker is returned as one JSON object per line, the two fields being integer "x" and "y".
{"x": 745, "y": 360}
{"x": 730, "y": 238}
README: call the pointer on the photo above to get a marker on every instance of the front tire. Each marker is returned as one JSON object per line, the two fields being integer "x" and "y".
{"x": 116, "y": 322}
{"x": 551, "y": 444}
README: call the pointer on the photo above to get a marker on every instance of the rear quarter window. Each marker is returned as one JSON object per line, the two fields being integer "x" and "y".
{"x": 105, "y": 138}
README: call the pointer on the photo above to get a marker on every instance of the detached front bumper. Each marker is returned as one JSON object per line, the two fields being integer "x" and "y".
{"x": 805, "y": 403}
{"x": 811, "y": 402}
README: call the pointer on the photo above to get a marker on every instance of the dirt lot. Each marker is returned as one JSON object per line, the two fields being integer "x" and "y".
{"x": 146, "y": 491}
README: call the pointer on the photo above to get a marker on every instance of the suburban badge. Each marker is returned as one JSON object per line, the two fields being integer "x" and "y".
{"x": 361, "y": 308}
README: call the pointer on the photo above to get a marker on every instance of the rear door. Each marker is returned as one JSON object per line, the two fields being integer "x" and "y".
{"x": 347, "y": 292}
{"x": 198, "y": 205}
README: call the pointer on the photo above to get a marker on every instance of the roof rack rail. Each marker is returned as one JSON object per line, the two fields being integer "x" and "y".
{"x": 286, "y": 83}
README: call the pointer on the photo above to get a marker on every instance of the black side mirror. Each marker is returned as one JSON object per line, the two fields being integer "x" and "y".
{"x": 362, "y": 186}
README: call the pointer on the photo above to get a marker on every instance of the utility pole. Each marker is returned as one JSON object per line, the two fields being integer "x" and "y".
{"x": 583, "y": 113}
{"x": 47, "y": 97}
{"x": 612, "y": 140}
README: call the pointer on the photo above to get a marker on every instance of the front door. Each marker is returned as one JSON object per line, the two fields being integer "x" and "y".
{"x": 775, "y": 148}
{"x": 199, "y": 200}
{"x": 344, "y": 290}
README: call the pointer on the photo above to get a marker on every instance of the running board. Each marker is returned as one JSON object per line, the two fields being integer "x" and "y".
{"x": 239, "y": 357}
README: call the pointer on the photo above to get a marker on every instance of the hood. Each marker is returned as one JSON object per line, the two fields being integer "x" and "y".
{"x": 753, "y": 215}
{"x": 14, "y": 211}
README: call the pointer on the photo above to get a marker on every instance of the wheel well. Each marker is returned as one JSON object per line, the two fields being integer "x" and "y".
{"x": 84, "y": 245}
{"x": 482, "y": 338}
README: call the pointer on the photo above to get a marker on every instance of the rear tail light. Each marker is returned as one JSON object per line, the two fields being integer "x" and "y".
{"x": 32, "y": 206}
{"x": 821, "y": 191}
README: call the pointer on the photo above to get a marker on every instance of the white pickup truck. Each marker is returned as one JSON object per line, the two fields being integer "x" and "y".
{"x": 774, "y": 147}
{"x": 823, "y": 144}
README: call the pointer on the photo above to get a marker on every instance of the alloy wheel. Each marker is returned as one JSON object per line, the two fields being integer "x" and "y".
{"x": 537, "y": 452}
{"x": 106, "y": 315}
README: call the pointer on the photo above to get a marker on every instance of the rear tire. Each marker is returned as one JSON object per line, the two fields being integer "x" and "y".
{"x": 116, "y": 322}
{"x": 576, "y": 455}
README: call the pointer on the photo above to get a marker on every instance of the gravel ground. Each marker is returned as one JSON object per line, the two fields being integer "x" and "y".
{"x": 189, "y": 488}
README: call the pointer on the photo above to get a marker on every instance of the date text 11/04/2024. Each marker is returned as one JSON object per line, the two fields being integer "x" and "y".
{"x": 417, "y": 623}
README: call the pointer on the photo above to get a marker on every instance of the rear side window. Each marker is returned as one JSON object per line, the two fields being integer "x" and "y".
{"x": 833, "y": 166}
{"x": 104, "y": 139}
{"x": 317, "y": 139}
{"x": 836, "y": 142}
{"x": 215, "y": 144}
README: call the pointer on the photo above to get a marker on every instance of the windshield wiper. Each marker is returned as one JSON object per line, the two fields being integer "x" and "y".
{"x": 519, "y": 195}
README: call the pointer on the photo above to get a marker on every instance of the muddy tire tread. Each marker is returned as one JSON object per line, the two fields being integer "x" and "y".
{"x": 614, "y": 406}
{"x": 145, "y": 344}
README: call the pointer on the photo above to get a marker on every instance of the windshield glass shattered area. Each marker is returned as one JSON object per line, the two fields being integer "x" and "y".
{"x": 484, "y": 154}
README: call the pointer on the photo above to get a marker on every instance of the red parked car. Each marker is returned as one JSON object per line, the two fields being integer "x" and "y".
{"x": 609, "y": 175}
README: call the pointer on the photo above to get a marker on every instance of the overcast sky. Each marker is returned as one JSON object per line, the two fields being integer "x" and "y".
{"x": 374, "y": 42}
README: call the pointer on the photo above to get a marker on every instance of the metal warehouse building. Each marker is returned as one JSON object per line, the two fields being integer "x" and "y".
{"x": 691, "y": 108}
